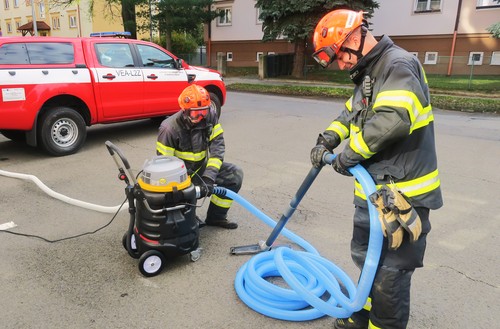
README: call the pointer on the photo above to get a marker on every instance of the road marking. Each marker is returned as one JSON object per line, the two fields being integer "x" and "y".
{"x": 6, "y": 226}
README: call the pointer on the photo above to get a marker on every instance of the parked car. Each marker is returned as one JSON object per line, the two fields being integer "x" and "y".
{"x": 53, "y": 88}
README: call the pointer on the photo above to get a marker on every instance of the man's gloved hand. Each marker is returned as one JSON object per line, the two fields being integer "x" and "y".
{"x": 207, "y": 187}
{"x": 340, "y": 167}
{"x": 319, "y": 150}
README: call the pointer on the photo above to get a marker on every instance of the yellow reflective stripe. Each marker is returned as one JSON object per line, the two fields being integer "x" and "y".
{"x": 372, "y": 326}
{"x": 348, "y": 104}
{"x": 190, "y": 156}
{"x": 368, "y": 304}
{"x": 214, "y": 162}
{"x": 339, "y": 129}
{"x": 420, "y": 185}
{"x": 359, "y": 146}
{"x": 423, "y": 119}
{"x": 400, "y": 98}
{"x": 414, "y": 187}
{"x": 223, "y": 203}
{"x": 165, "y": 150}
{"x": 425, "y": 76}
{"x": 216, "y": 131}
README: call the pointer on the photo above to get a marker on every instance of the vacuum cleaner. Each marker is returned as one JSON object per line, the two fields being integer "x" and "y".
{"x": 162, "y": 202}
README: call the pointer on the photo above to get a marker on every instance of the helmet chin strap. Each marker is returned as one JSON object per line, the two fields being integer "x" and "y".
{"x": 359, "y": 52}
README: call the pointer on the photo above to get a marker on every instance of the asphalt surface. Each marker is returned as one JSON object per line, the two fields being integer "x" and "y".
{"x": 91, "y": 282}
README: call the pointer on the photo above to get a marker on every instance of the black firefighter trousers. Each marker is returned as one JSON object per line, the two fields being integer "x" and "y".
{"x": 231, "y": 177}
{"x": 390, "y": 293}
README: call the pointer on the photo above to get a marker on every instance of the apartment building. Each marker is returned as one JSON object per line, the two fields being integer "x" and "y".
{"x": 448, "y": 36}
{"x": 54, "y": 19}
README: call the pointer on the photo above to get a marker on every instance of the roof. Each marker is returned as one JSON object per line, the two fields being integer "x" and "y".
{"x": 40, "y": 26}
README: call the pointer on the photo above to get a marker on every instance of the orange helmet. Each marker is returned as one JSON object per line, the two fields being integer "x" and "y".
{"x": 332, "y": 31}
{"x": 194, "y": 100}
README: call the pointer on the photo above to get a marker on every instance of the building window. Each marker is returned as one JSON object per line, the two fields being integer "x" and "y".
{"x": 56, "y": 23}
{"x": 475, "y": 58}
{"x": 414, "y": 53}
{"x": 259, "y": 55}
{"x": 41, "y": 9}
{"x": 16, "y": 3}
{"x": 9, "y": 28}
{"x": 229, "y": 56}
{"x": 72, "y": 21}
{"x": 425, "y": 6}
{"x": 226, "y": 18}
{"x": 6, "y": 4}
{"x": 487, "y": 4}
{"x": 271, "y": 53}
{"x": 431, "y": 57}
{"x": 18, "y": 23}
{"x": 495, "y": 58}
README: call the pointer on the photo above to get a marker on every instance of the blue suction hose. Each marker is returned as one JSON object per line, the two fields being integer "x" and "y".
{"x": 308, "y": 274}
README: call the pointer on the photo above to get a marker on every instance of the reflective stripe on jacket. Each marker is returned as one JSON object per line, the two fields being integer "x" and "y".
{"x": 393, "y": 135}
{"x": 193, "y": 143}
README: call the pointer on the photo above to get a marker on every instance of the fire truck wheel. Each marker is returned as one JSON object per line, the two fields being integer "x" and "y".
{"x": 215, "y": 103}
{"x": 62, "y": 131}
{"x": 151, "y": 263}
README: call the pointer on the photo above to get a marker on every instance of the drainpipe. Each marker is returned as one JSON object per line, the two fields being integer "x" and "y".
{"x": 33, "y": 14}
{"x": 453, "y": 43}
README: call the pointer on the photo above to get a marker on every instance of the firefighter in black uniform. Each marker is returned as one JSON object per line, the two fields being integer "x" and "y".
{"x": 195, "y": 135}
{"x": 388, "y": 127}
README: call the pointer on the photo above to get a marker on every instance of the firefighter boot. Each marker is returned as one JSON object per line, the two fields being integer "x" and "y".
{"x": 349, "y": 324}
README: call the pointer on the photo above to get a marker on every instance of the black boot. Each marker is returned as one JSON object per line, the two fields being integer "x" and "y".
{"x": 349, "y": 324}
{"x": 221, "y": 222}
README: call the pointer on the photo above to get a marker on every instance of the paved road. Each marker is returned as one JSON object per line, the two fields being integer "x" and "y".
{"x": 91, "y": 282}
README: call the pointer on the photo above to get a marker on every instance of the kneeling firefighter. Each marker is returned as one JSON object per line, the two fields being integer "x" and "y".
{"x": 195, "y": 135}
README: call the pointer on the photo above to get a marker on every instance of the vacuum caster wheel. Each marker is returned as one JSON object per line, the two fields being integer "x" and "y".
{"x": 135, "y": 253}
{"x": 151, "y": 263}
{"x": 195, "y": 254}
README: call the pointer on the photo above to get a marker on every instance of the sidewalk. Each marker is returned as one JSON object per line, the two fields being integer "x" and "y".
{"x": 281, "y": 82}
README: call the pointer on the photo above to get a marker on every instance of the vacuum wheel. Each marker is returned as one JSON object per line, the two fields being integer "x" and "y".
{"x": 151, "y": 263}
{"x": 135, "y": 253}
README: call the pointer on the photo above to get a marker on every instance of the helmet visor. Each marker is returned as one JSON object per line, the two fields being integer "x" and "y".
{"x": 325, "y": 56}
{"x": 197, "y": 114}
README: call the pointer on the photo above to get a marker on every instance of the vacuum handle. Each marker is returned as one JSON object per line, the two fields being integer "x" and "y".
{"x": 118, "y": 156}
{"x": 306, "y": 184}
{"x": 112, "y": 148}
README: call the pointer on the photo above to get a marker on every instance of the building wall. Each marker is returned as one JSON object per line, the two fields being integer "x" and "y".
{"x": 424, "y": 33}
{"x": 65, "y": 21}
{"x": 434, "y": 32}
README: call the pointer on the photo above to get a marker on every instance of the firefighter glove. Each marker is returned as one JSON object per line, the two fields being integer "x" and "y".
{"x": 319, "y": 150}
{"x": 407, "y": 215}
{"x": 391, "y": 228}
{"x": 340, "y": 167}
{"x": 207, "y": 186}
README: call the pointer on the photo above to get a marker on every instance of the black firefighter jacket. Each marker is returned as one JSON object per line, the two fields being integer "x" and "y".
{"x": 201, "y": 146}
{"x": 391, "y": 131}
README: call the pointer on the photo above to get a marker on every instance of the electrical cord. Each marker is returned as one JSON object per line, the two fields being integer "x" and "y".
{"x": 69, "y": 237}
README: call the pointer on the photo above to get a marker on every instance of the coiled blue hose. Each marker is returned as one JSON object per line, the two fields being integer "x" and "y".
{"x": 308, "y": 274}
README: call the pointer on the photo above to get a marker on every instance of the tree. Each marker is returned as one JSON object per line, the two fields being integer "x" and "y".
{"x": 127, "y": 12}
{"x": 495, "y": 28}
{"x": 186, "y": 16}
{"x": 295, "y": 20}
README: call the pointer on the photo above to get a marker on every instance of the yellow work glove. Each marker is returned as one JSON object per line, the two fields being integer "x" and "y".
{"x": 407, "y": 215}
{"x": 388, "y": 219}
